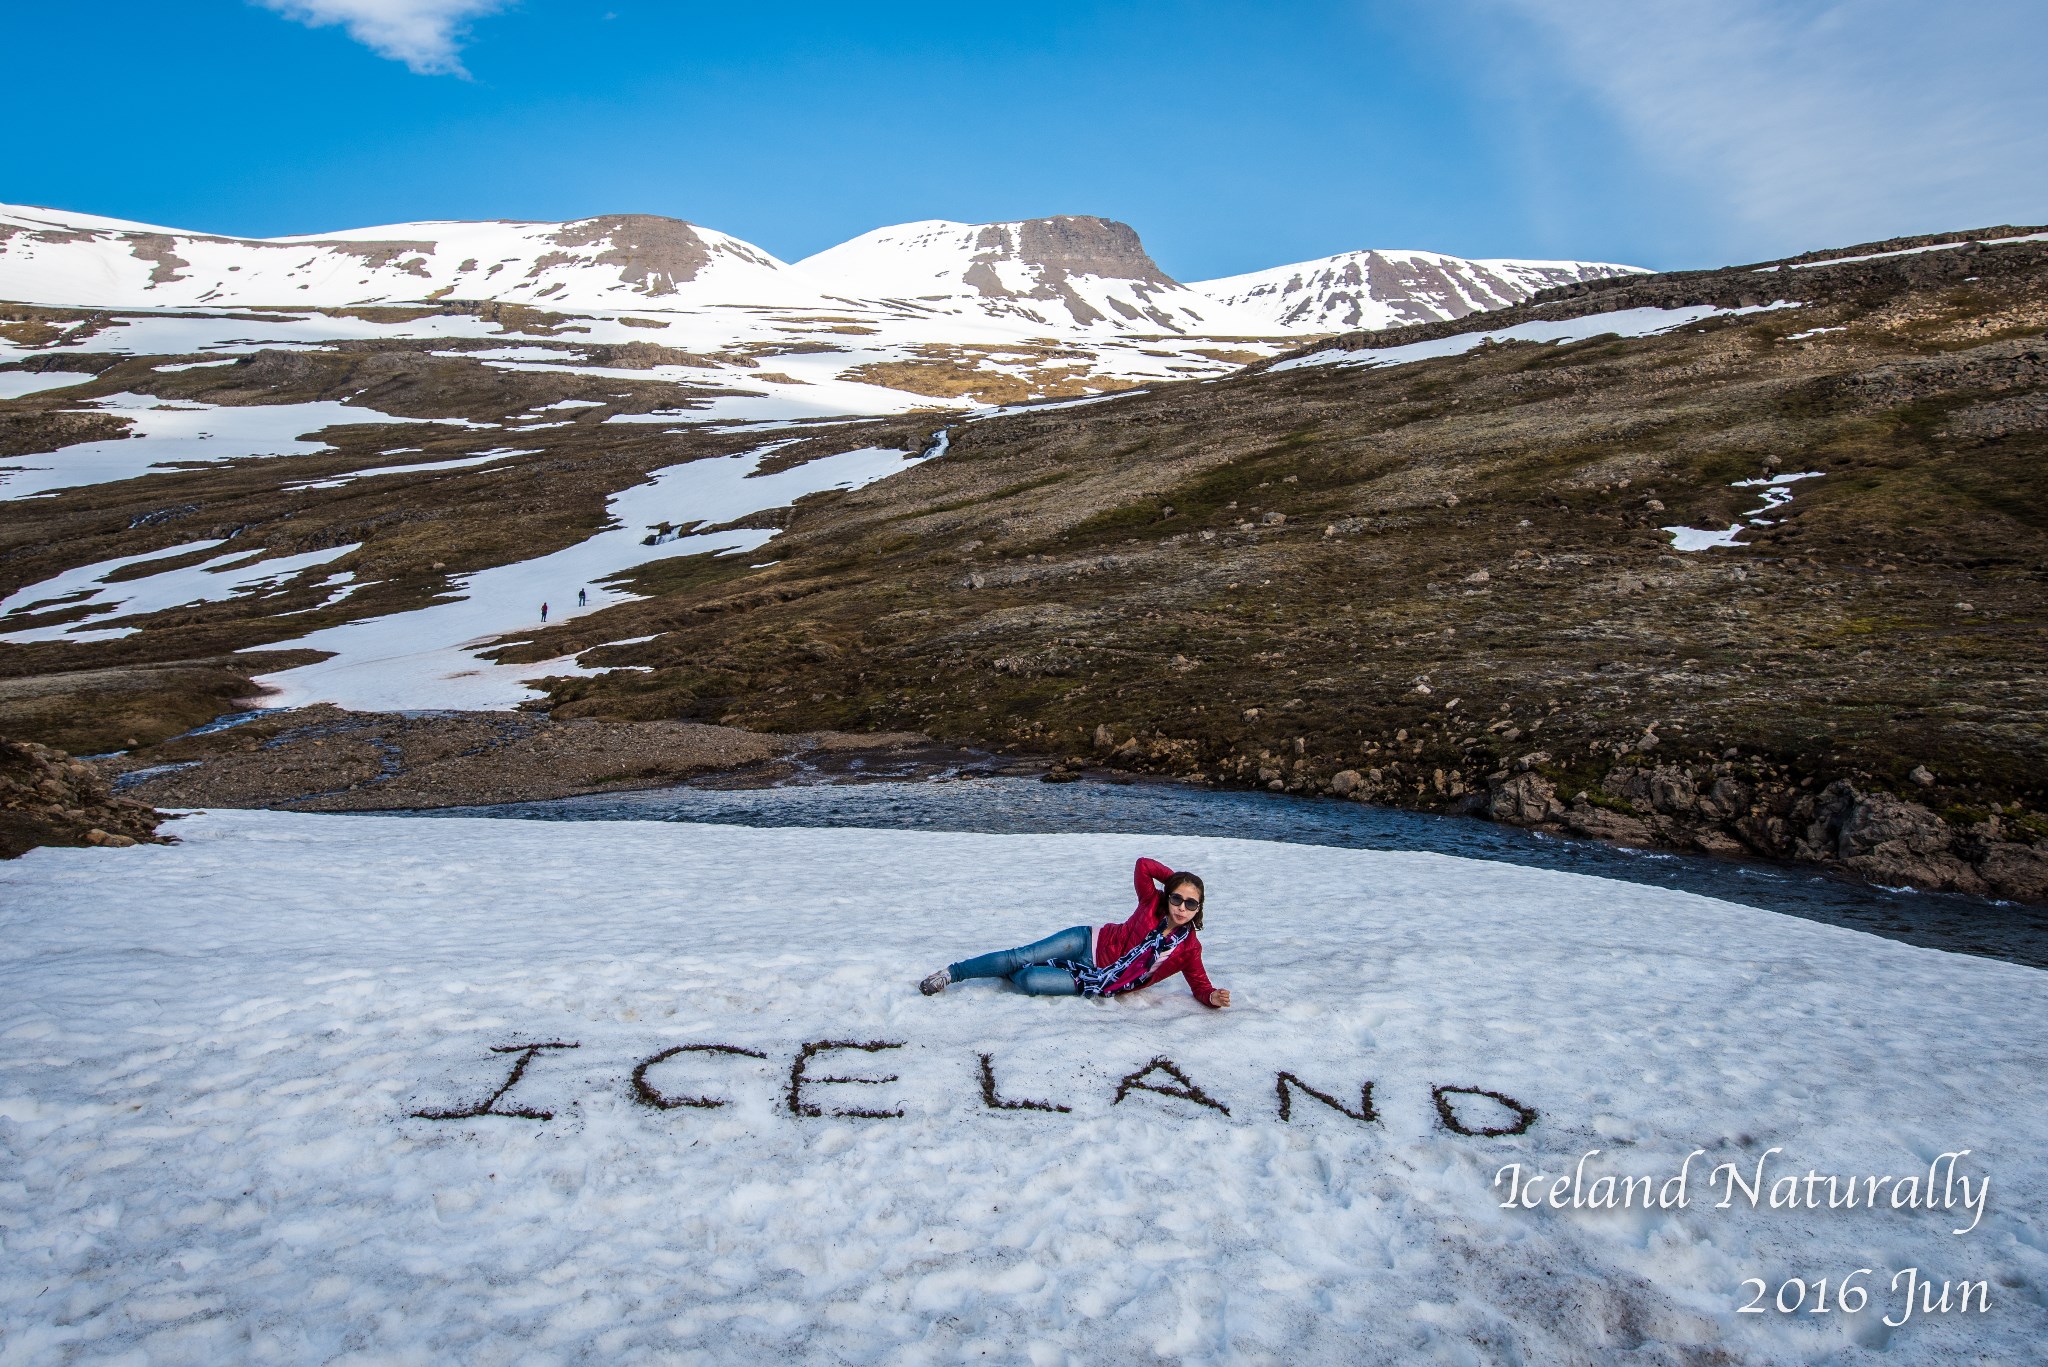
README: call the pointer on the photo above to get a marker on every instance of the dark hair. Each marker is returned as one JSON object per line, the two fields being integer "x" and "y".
{"x": 1181, "y": 880}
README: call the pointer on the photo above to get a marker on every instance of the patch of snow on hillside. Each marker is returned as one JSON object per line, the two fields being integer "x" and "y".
{"x": 1776, "y": 494}
{"x": 166, "y": 432}
{"x": 434, "y": 656}
{"x": 218, "y": 1055}
{"x": 213, "y": 580}
{"x": 1642, "y": 322}
{"x": 15, "y": 384}
{"x": 422, "y": 468}
{"x": 1008, "y": 410}
{"x": 1912, "y": 251}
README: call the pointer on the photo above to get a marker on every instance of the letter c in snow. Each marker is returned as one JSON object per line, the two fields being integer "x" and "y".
{"x": 647, "y": 1094}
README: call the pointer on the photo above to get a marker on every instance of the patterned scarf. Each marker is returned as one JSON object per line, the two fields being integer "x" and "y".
{"x": 1102, "y": 982}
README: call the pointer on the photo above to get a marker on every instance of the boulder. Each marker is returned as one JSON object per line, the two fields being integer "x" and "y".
{"x": 1712, "y": 841}
{"x": 2016, "y": 871}
{"x": 1583, "y": 818}
{"x": 1525, "y": 800}
{"x": 1727, "y": 800}
{"x": 1887, "y": 840}
{"x": 1345, "y": 782}
{"x": 1878, "y": 821}
{"x": 1666, "y": 789}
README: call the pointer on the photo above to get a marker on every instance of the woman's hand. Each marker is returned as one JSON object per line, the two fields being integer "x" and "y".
{"x": 1220, "y": 997}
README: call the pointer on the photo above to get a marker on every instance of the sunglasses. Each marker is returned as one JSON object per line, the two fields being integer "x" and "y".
{"x": 1191, "y": 903}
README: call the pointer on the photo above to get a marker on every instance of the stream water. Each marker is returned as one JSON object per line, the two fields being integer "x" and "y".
{"x": 1965, "y": 925}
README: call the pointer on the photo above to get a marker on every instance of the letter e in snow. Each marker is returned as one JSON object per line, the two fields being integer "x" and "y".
{"x": 798, "y": 1080}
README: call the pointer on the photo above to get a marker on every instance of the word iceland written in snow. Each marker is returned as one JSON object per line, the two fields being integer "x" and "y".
{"x": 800, "y": 1095}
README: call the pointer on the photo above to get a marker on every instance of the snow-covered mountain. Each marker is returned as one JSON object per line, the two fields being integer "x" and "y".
{"x": 961, "y": 312}
{"x": 1377, "y": 289}
{"x": 1064, "y": 275}
{"x": 618, "y": 261}
{"x": 1071, "y": 275}
{"x": 1068, "y": 272}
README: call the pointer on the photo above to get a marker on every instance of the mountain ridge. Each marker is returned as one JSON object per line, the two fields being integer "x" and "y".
{"x": 1070, "y": 272}
{"x": 1381, "y": 288}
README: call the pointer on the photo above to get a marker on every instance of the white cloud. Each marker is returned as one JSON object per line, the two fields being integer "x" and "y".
{"x": 1819, "y": 123}
{"x": 424, "y": 34}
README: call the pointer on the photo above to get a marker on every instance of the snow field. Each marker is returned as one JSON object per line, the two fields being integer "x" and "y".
{"x": 163, "y": 432}
{"x": 14, "y": 384}
{"x": 211, "y": 1056}
{"x": 213, "y": 580}
{"x": 433, "y": 656}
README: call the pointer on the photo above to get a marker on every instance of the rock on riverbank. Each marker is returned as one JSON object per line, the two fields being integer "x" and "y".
{"x": 49, "y": 798}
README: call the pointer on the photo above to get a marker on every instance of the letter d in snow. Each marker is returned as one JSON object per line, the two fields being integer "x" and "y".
{"x": 1673, "y": 1193}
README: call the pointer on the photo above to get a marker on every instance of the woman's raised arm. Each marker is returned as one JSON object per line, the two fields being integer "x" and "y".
{"x": 1148, "y": 873}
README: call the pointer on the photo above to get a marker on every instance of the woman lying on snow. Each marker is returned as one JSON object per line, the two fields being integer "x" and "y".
{"x": 1157, "y": 941}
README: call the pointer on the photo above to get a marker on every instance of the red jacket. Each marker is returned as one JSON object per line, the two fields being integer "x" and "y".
{"x": 1114, "y": 939}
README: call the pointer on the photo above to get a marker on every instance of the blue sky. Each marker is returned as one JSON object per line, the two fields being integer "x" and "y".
{"x": 1231, "y": 135}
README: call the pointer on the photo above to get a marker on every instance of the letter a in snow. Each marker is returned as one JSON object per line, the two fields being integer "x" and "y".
{"x": 1186, "y": 1091}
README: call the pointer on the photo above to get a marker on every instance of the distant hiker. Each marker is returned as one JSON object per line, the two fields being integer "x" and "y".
{"x": 1157, "y": 941}
{"x": 543, "y": 612}
{"x": 583, "y": 598}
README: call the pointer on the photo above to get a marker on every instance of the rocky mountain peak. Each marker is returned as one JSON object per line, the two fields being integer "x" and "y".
{"x": 653, "y": 254}
{"x": 1071, "y": 244}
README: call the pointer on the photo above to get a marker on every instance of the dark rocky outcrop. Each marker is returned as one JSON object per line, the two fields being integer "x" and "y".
{"x": 49, "y": 798}
{"x": 1878, "y": 836}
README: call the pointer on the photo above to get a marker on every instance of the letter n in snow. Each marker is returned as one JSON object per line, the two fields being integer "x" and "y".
{"x": 1365, "y": 1114}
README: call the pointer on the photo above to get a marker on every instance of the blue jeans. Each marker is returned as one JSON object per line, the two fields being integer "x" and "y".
{"x": 1030, "y": 966}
